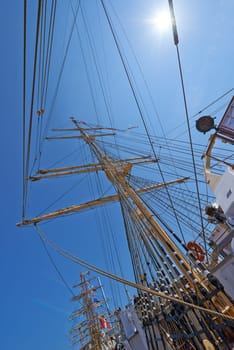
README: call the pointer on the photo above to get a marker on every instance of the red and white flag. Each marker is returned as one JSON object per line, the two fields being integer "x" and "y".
{"x": 104, "y": 323}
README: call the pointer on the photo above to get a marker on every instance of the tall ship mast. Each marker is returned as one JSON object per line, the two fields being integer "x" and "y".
{"x": 155, "y": 216}
{"x": 91, "y": 320}
{"x": 164, "y": 268}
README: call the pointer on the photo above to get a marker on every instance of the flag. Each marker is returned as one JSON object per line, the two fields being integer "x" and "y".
{"x": 104, "y": 323}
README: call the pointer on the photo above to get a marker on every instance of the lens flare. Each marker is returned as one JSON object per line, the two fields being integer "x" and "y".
{"x": 162, "y": 21}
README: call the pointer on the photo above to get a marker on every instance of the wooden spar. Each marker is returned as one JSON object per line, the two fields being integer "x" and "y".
{"x": 85, "y": 169}
{"x": 90, "y": 204}
{"x": 75, "y": 129}
{"x": 75, "y": 137}
{"x": 45, "y": 171}
{"x": 65, "y": 173}
{"x": 56, "y": 170}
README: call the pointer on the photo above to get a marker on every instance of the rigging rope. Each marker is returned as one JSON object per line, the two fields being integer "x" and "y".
{"x": 98, "y": 71}
{"x": 49, "y": 52}
{"x": 108, "y": 241}
{"x": 31, "y": 109}
{"x": 61, "y": 70}
{"x": 205, "y": 108}
{"x": 176, "y": 41}
{"x": 45, "y": 72}
{"x": 94, "y": 268}
{"x": 86, "y": 66}
{"x": 55, "y": 266}
{"x": 44, "y": 59}
{"x": 24, "y": 102}
{"x": 140, "y": 111}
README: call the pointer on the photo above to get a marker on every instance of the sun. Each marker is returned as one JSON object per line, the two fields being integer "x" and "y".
{"x": 162, "y": 21}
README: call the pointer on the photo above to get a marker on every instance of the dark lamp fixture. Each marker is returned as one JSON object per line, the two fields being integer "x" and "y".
{"x": 205, "y": 123}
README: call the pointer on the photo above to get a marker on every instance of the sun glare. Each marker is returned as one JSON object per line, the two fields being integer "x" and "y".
{"x": 162, "y": 21}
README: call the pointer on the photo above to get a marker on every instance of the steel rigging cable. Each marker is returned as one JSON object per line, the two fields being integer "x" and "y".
{"x": 24, "y": 100}
{"x": 206, "y": 107}
{"x": 176, "y": 42}
{"x": 140, "y": 111}
{"x": 31, "y": 107}
{"x": 61, "y": 69}
{"x": 55, "y": 266}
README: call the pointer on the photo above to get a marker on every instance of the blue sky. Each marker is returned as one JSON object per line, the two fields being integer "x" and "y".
{"x": 35, "y": 302}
